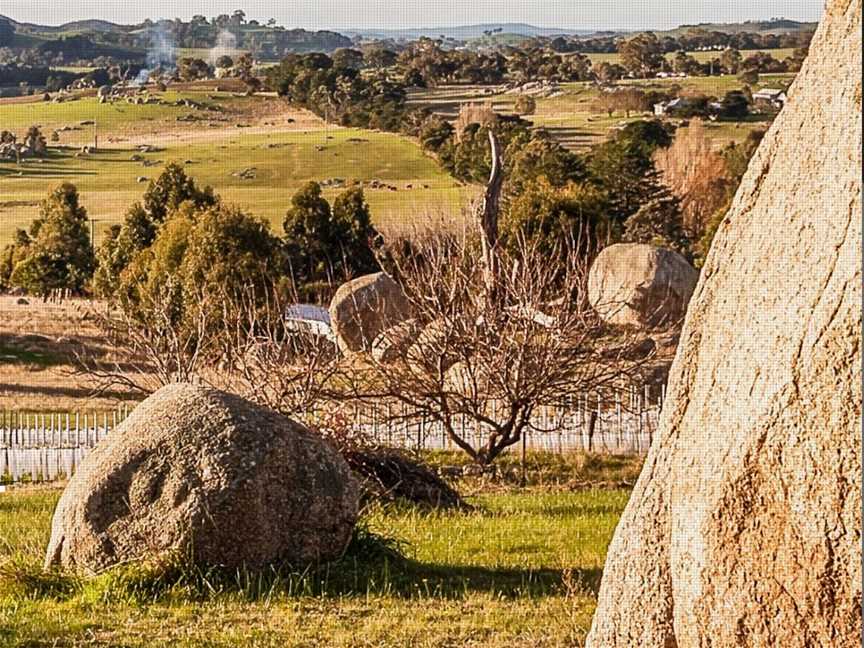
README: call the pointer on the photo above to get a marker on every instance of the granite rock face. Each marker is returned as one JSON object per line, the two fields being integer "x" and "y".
{"x": 745, "y": 526}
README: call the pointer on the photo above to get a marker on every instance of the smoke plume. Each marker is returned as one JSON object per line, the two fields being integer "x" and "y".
{"x": 226, "y": 45}
{"x": 161, "y": 56}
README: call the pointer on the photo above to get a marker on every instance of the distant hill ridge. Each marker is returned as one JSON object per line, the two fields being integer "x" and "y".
{"x": 75, "y": 26}
{"x": 467, "y": 32}
{"x": 457, "y": 32}
{"x": 781, "y": 25}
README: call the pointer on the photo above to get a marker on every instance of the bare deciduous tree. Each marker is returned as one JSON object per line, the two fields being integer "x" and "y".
{"x": 496, "y": 335}
{"x": 487, "y": 366}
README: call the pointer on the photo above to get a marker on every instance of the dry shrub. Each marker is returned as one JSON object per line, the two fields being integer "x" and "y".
{"x": 386, "y": 474}
{"x": 697, "y": 175}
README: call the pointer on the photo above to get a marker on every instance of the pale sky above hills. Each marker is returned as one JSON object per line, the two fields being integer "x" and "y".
{"x": 386, "y": 14}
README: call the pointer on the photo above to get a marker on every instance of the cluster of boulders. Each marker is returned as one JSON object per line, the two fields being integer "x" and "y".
{"x": 33, "y": 145}
{"x": 634, "y": 287}
{"x": 372, "y": 315}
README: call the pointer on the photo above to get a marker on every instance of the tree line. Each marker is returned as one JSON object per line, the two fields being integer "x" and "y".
{"x": 692, "y": 40}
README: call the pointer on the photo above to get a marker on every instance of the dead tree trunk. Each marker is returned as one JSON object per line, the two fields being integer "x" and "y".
{"x": 488, "y": 217}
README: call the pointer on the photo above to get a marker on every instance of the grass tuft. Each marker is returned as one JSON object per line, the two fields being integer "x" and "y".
{"x": 28, "y": 580}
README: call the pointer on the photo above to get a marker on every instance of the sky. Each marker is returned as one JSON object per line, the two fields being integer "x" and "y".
{"x": 400, "y": 14}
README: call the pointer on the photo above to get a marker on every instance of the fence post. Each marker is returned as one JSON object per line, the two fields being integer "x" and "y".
{"x": 524, "y": 480}
{"x": 389, "y": 425}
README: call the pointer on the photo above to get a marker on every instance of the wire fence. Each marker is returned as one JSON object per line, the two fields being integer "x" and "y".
{"x": 50, "y": 447}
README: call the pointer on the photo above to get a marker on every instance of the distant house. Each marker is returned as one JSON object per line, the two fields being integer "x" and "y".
{"x": 666, "y": 107}
{"x": 774, "y": 96}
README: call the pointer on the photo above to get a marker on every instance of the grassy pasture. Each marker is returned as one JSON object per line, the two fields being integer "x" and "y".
{"x": 573, "y": 117}
{"x": 207, "y": 54}
{"x": 522, "y": 569}
{"x": 214, "y": 150}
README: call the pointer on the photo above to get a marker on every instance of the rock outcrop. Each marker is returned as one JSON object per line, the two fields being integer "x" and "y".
{"x": 365, "y": 307}
{"x": 745, "y": 526}
{"x": 639, "y": 285}
{"x": 200, "y": 471}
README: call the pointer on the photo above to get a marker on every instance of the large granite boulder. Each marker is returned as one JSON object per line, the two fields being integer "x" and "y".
{"x": 640, "y": 285}
{"x": 197, "y": 470}
{"x": 745, "y": 526}
{"x": 365, "y": 307}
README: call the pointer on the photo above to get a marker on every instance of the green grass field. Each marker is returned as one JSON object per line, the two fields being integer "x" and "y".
{"x": 282, "y": 159}
{"x": 522, "y": 569}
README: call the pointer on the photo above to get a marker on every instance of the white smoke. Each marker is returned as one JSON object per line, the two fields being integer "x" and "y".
{"x": 161, "y": 56}
{"x": 226, "y": 45}
{"x": 143, "y": 78}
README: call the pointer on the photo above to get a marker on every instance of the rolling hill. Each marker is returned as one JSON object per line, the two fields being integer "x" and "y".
{"x": 77, "y": 27}
{"x": 465, "y": 32}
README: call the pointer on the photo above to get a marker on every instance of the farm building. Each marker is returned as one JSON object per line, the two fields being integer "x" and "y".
{"x": 775, "y": 96}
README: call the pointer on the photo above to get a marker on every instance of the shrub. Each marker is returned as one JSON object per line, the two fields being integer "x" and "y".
{"x": 59, "y": 255}
{"x": 325, "y": 243}
{"x": 525, "y": 105}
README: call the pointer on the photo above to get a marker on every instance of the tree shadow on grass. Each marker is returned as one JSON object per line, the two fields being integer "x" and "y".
{"x": 43, "y": 172}
{"x": 454, "y": 581}
{"x": 68, "y": 392}
{"x": 400, "y": 578}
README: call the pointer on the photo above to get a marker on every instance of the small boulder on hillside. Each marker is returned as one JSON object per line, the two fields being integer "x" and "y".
{"x": 365, "y": 307}
{"x": 639, "y": 285}
{"x": 201, "y": 471}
